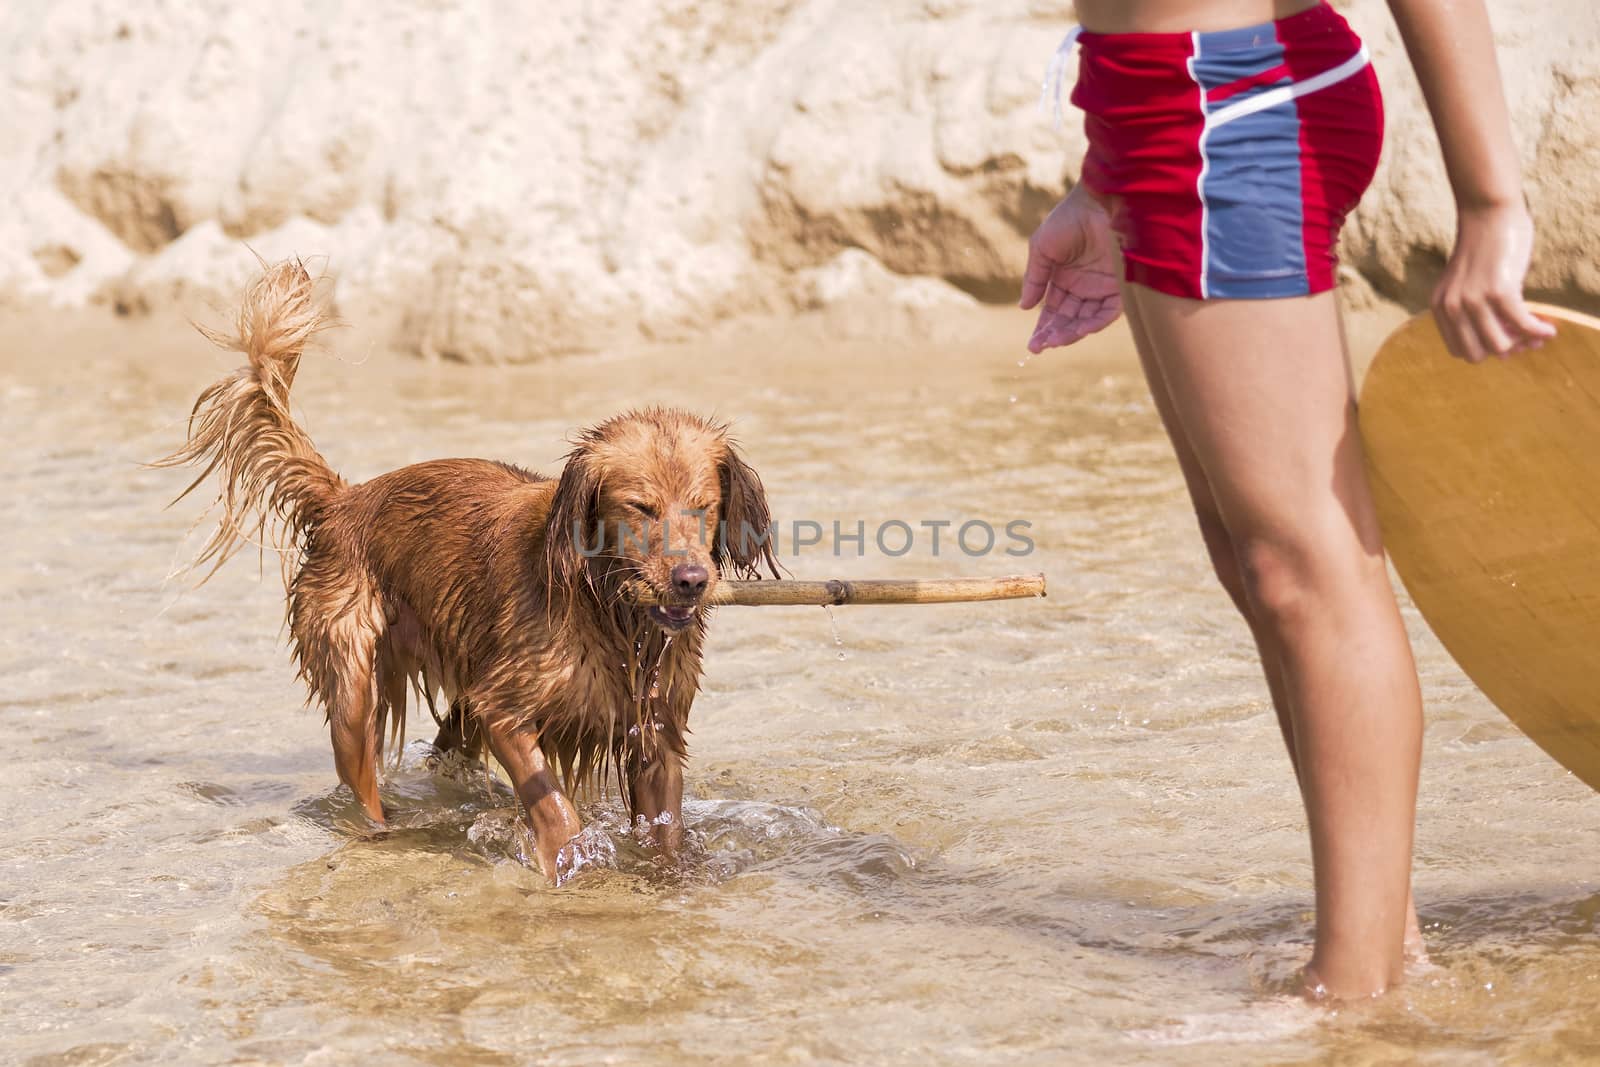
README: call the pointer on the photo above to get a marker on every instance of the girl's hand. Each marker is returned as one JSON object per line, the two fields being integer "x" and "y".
{"x": 1072, "y": 266}
{"x": 1478, "y": 302}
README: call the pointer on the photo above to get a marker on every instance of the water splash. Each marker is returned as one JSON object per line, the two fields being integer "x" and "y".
{"x": 503, "y": 834}
{"x": 591, "y": 848}
{"x": 722, "y": 840}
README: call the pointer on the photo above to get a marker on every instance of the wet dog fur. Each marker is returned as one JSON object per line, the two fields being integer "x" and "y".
{"x": 478, "y": 580}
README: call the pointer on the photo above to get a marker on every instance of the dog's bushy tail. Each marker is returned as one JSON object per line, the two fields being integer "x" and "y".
{"x": 275, "y": 486}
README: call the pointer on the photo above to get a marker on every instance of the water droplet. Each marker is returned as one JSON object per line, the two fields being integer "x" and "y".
{"x": 833, "y": 624}
{"x": 1016, "y": 379}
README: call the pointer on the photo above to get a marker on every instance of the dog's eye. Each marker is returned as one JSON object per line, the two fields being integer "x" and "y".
{"x": 644, "y": 509}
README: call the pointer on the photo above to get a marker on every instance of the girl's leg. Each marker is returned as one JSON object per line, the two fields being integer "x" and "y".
{"x": 1257, "y": 398}
{"x": 1219, "y": 546}
{"x": 1225, "y": 562}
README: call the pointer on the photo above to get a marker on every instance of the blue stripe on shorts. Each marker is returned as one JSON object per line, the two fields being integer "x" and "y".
{"x": 1251, "y": 185}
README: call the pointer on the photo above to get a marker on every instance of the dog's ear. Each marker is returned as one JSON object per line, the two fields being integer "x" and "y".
{"x": 569, "y": 532}
{"x": 745, "y": 537}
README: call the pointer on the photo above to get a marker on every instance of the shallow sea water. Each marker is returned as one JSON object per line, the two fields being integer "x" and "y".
{"x": 1055, "y": 831}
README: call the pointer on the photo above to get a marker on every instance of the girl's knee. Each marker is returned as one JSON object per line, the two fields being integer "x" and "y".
{"x": 1288, "y": 577}
{"x": 1277, "y": 577}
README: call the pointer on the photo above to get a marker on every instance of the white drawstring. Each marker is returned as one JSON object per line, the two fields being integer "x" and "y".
{"x": 1050, "y": 94}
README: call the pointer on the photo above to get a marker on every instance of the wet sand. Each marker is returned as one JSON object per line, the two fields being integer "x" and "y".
{"x": 1056, "y": 831}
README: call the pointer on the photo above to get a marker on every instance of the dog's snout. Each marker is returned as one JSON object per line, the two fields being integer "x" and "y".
{"x": 689, "y": 579}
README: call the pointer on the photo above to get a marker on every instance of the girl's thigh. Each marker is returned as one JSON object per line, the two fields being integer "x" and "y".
{"x": 1260, "y": 391}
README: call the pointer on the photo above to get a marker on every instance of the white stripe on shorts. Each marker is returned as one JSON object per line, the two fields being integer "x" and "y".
{"x": 1273, "y": 97}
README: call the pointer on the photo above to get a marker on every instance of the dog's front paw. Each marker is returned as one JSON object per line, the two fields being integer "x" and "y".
{"x": 589, "y": 848}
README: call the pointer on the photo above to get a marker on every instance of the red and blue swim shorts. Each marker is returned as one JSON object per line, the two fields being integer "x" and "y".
{"x": 1229, "y": 160}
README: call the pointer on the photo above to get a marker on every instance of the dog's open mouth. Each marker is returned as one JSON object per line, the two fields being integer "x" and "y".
{"x": 673, "y": 616}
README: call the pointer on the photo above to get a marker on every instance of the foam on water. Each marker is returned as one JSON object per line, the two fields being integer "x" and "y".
{"x": 1253, "y": 1024}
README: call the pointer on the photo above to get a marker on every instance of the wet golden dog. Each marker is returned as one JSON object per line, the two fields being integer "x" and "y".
{"x": 502, "y": 590}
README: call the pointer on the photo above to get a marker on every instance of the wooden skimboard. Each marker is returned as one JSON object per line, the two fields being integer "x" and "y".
{"x": 1487, "y": 480}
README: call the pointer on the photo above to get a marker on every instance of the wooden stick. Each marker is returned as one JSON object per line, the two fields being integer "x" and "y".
{"x": 866, "y": 591}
